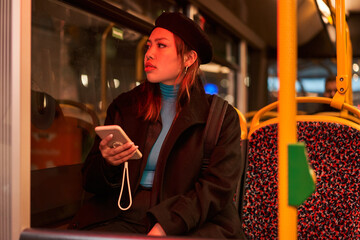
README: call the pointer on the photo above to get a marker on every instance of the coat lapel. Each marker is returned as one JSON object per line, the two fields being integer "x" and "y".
{"x": 194, "y": 112}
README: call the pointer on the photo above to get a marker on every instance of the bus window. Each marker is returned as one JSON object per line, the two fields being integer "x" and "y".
{"x": 220, "y": 75}
{"x": 79, "y": 63}
{"x": 356, "y": 82}
{"x": 219, "y": 80}
{"x": 81, "y": 58}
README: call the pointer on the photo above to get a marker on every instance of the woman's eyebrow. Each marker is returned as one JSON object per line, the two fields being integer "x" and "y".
{"x": 158, "y": 39}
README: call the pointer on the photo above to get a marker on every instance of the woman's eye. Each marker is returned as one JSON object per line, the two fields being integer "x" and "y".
{"x": 160, "y": 45}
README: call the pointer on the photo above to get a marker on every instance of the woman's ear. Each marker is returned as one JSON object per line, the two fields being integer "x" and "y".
{"x": 190, "y": 58}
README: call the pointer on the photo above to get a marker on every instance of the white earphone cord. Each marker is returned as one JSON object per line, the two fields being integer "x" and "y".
{"x": 125, "y": 172}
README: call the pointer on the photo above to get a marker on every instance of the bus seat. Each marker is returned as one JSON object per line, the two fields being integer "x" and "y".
{"x": 80, "y": 111}
{"x": 58, "y": 149}
{"x": 52, "y": 136}
{"x": 333, "y": 147}
{"x": 266, "y": 116}
{"x": 243, "y": 124}
{"x": 341, "y": 115}
{"x": 65, "y": 137}
{"x": 239, "y": 194}
{"x": 83, "y": 118}
{"x": 56, "y": 195}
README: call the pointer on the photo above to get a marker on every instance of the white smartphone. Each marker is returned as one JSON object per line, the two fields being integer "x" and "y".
{"x": 119, "y": 137}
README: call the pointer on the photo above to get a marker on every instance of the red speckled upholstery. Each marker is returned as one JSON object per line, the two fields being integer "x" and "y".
{"x": 333, "y": 211}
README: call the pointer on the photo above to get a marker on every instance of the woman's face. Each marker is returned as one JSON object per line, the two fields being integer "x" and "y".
{"x": 162, "y": 63}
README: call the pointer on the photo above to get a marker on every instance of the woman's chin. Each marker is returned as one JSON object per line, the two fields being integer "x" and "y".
{"x": 152, "y": 80}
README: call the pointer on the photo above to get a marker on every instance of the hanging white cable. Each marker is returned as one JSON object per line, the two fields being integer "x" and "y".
{"x": 125, "y": 172}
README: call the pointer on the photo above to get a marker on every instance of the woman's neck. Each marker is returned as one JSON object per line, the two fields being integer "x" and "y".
{"x": 169, "y": 91}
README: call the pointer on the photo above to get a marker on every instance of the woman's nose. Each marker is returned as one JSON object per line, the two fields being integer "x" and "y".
{"x": 149, "y": 54}
{"x": 147, "y": 57}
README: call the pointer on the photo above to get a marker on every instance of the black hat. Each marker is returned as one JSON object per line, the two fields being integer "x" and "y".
{"x": 188, "y": 31}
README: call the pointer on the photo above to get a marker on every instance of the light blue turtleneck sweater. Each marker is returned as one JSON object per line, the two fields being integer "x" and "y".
{"x": 168, "y": 110}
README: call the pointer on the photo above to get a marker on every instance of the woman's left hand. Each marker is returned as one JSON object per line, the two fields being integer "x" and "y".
{"x": 157, "y": 230}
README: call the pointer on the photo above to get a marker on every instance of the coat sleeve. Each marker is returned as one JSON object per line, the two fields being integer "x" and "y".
{"x": 214, "y": 190}
{"x": 99, "y": 177}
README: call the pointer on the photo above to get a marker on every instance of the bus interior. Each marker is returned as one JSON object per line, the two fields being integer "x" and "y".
{"x": 85, "y": 53}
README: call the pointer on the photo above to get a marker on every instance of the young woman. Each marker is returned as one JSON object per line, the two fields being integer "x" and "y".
{"x": 165, "y": 117}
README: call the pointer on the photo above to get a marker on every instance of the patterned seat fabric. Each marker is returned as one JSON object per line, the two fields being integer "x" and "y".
{"x": 333, "y": 211}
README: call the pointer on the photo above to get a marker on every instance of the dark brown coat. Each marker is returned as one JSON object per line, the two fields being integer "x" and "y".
{"x": 185, "y": 200}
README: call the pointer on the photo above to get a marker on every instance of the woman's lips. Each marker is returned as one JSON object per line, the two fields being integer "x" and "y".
{"x": 149, "y": 67}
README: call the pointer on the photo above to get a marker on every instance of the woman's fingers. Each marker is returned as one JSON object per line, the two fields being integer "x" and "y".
{"x": 116, "y": 156}
{"x": 123, "y": 153}
{"x": 104, "y": 143}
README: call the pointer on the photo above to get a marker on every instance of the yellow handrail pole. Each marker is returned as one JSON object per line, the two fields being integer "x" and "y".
{"x": 103, "y": 68}
{"x": 340, "y": 38}
{"x": 349, "y": 58}
{"x": 342, "y": 78}
{"x": 287, "y": 65}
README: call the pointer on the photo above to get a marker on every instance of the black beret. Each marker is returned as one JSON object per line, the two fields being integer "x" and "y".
{"x": 188, "y": 31}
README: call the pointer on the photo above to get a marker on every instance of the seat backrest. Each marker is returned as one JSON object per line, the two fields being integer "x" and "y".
{"x": 333, "y": 210}
{"x": 239, "y": 194}
{"x": 62, "y": 135}
{"x": 56, "y": 194}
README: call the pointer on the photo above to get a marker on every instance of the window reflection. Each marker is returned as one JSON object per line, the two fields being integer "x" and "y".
{"x": 226, "y": 54}
{"x": 81, "y": 58}
{"x": 79, "y": 64}
{"x": 219, "y": 80}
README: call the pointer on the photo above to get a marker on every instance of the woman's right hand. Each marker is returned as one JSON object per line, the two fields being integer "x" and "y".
{"x": 117, "y": 155}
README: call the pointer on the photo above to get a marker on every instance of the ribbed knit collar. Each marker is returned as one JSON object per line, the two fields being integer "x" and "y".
{"x": 169, "y": 91}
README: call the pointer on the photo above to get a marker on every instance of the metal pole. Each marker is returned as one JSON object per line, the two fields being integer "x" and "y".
{"x": 287, "y": 69}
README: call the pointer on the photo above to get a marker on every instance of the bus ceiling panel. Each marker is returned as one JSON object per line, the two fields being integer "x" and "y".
{"x": 219, "y": 11}
{"x": 309, "y": 21}
{"x": 318, "y": 47}
{"x": 261, "y": 16}
{"x": 352, "y": 5}
{"x": 112, "y": 13}
{"x": 255, "y": 21}
{"x": 352, "y": 11}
